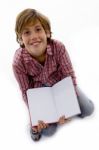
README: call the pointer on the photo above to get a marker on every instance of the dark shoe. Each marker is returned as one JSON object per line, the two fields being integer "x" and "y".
{"x": 35, "y": 136}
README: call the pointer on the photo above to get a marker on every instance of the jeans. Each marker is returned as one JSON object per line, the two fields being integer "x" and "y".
{"x": 86, "y": 105}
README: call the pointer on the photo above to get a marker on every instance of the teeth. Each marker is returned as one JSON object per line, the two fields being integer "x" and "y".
{"x": 35, "y": 43}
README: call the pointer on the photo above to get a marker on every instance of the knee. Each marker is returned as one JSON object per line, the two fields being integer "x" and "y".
{"x": 91, "y": 110}
{"x": 87, "y": 112}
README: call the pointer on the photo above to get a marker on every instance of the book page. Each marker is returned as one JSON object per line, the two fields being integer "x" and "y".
{"x": 65, "y": 98}
{"x": 41, "y": 105}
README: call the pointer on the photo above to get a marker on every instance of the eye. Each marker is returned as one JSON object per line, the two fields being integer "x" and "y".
{"x": 26, "y": 32}
{"x": 38, "y": 29}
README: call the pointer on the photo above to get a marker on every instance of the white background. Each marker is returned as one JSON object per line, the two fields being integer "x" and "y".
{"x": 76, "y": 24}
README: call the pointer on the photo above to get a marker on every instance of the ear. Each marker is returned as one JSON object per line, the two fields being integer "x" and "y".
{"x": 20, "y": 41}
{"x": 48, "y": 34}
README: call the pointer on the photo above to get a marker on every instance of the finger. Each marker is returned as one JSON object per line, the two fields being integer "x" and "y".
{"x": 63, "y": 117}
{"x": 34, "y": 129}
{"x": 62, "y": 121}
{"x": 67, "y": 120}
{"x": 45, "y": 125}
{"x": 39, "y": 128}
{"x": 41, "y": 124}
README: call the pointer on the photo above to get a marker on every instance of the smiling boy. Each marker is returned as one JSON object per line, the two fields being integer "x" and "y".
{"x": 42, "y": 61}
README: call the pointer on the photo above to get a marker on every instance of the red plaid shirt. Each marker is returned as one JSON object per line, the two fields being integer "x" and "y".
{"x": 31, "y": 74}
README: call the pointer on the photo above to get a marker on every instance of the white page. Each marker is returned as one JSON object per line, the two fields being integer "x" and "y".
{"x": 41, "y": 105}
{"x": 65, "y": 98}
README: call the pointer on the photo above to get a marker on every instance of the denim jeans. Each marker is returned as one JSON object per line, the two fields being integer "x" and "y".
{"x": 86, "y": 105}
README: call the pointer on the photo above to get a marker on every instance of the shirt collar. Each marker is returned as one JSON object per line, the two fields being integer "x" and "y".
{"x": 49, "y": 50}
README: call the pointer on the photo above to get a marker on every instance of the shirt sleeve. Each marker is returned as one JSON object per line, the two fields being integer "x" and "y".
{"x": 65, "y": 64}
{"x": 22, "y": 80}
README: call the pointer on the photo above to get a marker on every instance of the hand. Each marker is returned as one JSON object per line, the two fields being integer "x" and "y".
{"x": 41, "y": 125}
{"x": 63, "y": 120}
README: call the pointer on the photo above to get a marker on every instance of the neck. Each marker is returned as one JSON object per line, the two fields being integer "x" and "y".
{"x": 41, "y": 59}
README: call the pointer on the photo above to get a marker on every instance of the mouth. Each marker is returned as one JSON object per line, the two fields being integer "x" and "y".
{"x": 36, "y": 43}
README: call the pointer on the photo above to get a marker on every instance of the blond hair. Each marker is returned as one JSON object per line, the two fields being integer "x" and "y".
{"x": 28, "y": 16}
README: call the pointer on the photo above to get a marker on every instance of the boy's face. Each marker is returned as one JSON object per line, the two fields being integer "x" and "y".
{"x": 34, "y": 38}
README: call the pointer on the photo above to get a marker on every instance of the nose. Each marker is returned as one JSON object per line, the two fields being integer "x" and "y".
{"x": 34, "y": 35}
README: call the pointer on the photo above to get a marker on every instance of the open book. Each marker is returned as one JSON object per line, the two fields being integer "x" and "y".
{"x": 50, "y": 103}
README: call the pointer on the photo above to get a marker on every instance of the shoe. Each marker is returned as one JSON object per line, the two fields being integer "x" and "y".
{"x": 35, "y": 136}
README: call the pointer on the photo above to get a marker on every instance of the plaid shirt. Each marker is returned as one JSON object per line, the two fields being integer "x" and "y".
{"x": 31, "y": 74}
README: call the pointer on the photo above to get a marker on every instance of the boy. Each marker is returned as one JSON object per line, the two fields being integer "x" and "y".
{"x": 42, "y": 61}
